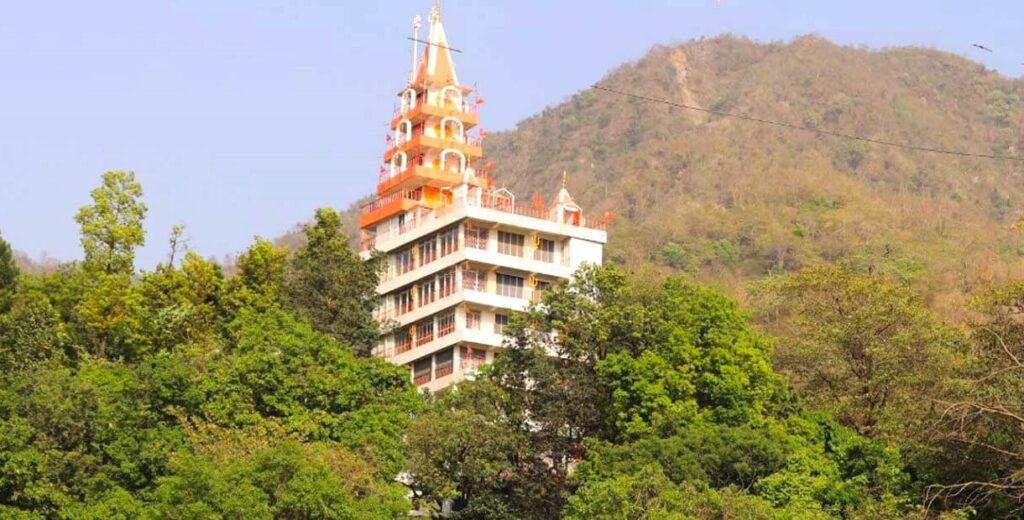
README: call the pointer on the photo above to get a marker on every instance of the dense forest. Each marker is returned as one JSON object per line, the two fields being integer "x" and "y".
{"x": 788, "y": 326}
{"x": 184, "y": 392}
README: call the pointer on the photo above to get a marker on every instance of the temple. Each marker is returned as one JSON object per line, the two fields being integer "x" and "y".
{"x": 461, "y": 255}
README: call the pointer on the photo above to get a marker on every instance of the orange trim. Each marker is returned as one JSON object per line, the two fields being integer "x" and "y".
{"x": 416, "y": 176}
{"x": 413, "y": 145}
{"x": 422, "y": 110}
{"x": 385, "y": 207}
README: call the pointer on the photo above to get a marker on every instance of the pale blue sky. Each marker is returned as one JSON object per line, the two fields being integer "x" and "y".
{"x": 242, "y": 116}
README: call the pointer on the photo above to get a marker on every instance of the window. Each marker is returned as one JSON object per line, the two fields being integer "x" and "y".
{"x": 446, "y": 324}
{"x": 444, "y": 362}
{"x": 511, "y": 286}
{"x": 424, "y": 332}
{"x": 427, "y": 292}
{"x": 403, "y": 302}
{"x": 471, "y": 357}
{"x": 510, "y": 243}
{"x": 446, "y": 283}
{"x": 473, "y": 320}
{"x": 403, "y": 341}
{"x": 449, "y": 241}
{"x": 545, "y": 251}
{"x": 500, "y": 321}
{"x": 428, "y": 251}
{"x": 474, "y": 280}
{"x": 476, "y": 237}
{"x": 421, "y": 371}
{"x": 404, "y": 261}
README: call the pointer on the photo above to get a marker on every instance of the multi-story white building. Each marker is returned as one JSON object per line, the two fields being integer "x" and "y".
{"x": 461, "y": 255}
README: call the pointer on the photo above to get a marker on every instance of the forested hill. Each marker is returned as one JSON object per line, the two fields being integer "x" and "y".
{"x": 730, "y": 200}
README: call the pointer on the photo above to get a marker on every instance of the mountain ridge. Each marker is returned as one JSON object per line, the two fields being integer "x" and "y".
{"x": 731, "y": 201}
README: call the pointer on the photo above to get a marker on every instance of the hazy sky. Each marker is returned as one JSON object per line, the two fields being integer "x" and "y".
{"x": 241, "y": 116}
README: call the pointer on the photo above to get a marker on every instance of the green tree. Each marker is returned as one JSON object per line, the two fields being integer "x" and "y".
{"x": 260, "y": 276}
{"x": 180, "y": 305}
{"x": 8, "y": 274}
{"x": 330, "y": 285}
{"x": 112, "y": 225}
{"x": 31, "y": 332}
{"x": 862, "y": 347}
{"x": 111, "y": 229}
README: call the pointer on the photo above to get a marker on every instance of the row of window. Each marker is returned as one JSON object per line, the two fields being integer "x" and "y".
{"x": 443, "y": 363}
{"x": 444, "y": 243}
{"x": 441, "y": 285}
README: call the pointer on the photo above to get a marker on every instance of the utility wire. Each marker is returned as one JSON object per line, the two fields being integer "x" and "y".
{"x": 819, "y": 131}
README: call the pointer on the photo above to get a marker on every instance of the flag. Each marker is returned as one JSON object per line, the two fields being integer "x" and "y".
{"x": 383, "y": 170}
{"x": 387, "y": 138}
{"x": 483, "y": 133}
{"x": 478, "y": 101}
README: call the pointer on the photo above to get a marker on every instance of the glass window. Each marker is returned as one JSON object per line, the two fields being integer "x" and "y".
{"x": 449, "y": 241}
{"x": 424, "y": 332}
{"x": 403, "y": 341}
{"x": 511, "y": 286}
{"x": 427, "y": 292}
{"x": 473, "y": 320}
{"x": 446, "y": 283}
{"x": 510, "y": 243}
{"x": 421, "y": 371}
{"x": 476, "y": 237}
{"x": 404, "y": 261}
{"x": 403, "y": 302}
{"x": 474, "y": 280}
{"x": 446, "y": 324}
{"x": 428, "y": 251}
{"x": 500, "y": 321}
{"x": 545, "y": 251}
{"x": 444, "y": 363}
{"x": 472, "y": 357}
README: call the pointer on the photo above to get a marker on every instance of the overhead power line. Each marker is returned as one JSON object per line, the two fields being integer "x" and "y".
{"x": 819, "y": 131}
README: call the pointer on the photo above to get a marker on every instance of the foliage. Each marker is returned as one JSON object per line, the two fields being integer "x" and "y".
{"x": 112, "y": 224}
{"x": 8, "y": 274}
{"x": 861, "y": 346}
{"x": 331, "y": 286}
{"x": 634, "y": 399}
{"x": 184, "y": 393}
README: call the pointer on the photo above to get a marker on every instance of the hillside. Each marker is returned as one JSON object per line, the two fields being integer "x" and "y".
{"x": 730, "y": 201}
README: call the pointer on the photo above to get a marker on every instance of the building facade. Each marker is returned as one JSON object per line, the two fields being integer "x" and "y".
{"x": 461, "y": 255}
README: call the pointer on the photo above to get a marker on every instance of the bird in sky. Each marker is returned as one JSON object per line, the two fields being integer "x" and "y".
{"x": 982, "y": 47}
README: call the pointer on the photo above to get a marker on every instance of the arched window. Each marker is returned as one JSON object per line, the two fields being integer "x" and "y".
{"x": 451, "y": 98}
{"x": 451, "y": 128}
{"x": 458, "y": 166}
{"x": 404, "y": 131}
{"x": 399, "y": 162}
{"x": 408, "y": 100}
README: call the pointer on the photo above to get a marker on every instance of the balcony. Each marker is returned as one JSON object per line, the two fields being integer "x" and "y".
{"x": 465, "y": 112}
{"x": 416, "y": 176}
{"x": 486, "y": 205}
{"x": 470, "y": 147}
{"x": 386, "y": 206}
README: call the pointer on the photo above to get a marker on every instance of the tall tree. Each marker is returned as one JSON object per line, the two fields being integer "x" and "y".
{"x": 330, "y": 285}
{"x": 112, "y": 225}
{"x": 111, "y": 229}
{"x": 8, "y": 274}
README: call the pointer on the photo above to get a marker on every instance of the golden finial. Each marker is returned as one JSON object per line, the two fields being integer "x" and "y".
{"x": 563, "y": 179}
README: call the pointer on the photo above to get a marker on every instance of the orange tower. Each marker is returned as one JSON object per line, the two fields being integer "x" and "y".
{"x": 461, "y": 255}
